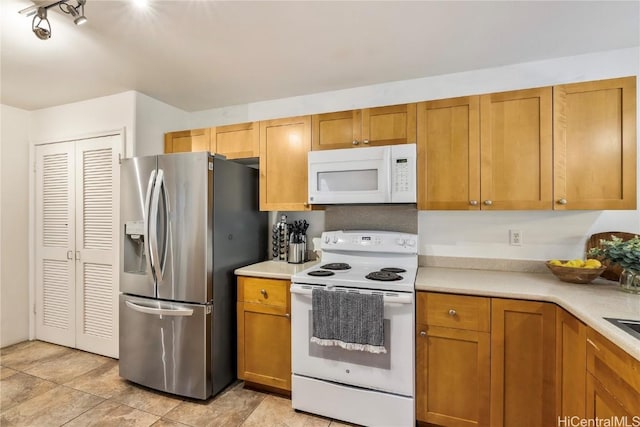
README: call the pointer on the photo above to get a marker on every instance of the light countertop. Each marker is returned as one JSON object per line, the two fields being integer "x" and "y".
{"x": 273, "y": 269}
{"x": 590, "y": 303}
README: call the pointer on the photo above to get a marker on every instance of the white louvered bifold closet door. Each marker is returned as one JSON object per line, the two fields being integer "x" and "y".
{"x": 96, "y": 219}
{"x": 55, "y": 241}
{"x": 76, "y": 224}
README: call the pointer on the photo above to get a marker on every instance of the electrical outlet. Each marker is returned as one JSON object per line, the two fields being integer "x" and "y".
{"x": 515, "y": 237}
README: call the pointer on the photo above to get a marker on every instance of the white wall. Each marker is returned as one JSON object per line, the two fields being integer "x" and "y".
{"x": 473, "y": 234}
{"x": 153, "y": 120}
{"x": 14, "y": 215}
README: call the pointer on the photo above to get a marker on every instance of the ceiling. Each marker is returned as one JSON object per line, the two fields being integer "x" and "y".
{"x": 197, "y": 55}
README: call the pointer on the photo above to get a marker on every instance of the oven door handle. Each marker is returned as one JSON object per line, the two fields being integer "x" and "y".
{"x": 387, "y": 298}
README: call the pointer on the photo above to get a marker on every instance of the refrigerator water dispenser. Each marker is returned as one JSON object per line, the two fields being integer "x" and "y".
{"x": 134, "y": 254}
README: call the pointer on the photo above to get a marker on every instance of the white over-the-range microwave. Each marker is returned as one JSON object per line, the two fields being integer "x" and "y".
{"x": 384, "y": 174}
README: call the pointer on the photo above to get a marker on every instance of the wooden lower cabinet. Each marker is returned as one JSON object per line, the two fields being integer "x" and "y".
{"x": 613, "y": 381}
{"x": 264, "y": 332}
{"x": 522, "y": 363}
{"x": 452, "y": 360}
{"x": 571, "y": 359}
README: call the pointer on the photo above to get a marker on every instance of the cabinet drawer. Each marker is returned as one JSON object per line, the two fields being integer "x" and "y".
{"x": 271, "y": 292}
{"x": 454, "y": 311}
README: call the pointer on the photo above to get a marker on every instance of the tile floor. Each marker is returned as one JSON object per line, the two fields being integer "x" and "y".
{"x": 43, "y": 384}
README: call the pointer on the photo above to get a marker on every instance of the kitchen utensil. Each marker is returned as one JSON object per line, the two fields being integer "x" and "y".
{"x": 296, "y": 253}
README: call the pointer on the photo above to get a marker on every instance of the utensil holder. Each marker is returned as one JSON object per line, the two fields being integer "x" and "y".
{"x": 297, "y": 253}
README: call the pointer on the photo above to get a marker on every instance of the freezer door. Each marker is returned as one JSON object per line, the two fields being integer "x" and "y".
{"x": 166, "y": 345}
{"x": 181, "y": 219}
{"x": 137, "y": 178}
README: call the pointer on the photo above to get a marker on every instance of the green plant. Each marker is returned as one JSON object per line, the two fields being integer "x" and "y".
{"x": 626, "y": 253}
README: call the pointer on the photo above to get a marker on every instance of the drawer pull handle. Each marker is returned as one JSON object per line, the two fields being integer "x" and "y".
{"x": 452, "y": 312}
{"x": 264, "y": 293}
{"x": 423, "y": 334}
{"x": 593, "y": 344}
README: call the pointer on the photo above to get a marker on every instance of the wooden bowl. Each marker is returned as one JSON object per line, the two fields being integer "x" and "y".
{"x": 575, "y": 274}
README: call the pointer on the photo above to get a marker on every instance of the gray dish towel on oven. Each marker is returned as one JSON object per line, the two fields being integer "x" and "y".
{"x": 349, "y": 320}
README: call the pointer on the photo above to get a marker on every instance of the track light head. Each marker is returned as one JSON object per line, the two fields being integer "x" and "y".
{"x": 42, "y": 29}
{"x": 40, "y": 24}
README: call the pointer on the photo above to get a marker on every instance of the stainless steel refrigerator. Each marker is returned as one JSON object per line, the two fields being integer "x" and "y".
{"x": 187, "y": 221}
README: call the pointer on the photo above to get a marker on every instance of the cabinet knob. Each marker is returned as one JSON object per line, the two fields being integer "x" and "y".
{"x": 264, "y": 293}
{"x": 355, "y": 142}
{"x": 423, "y": 334}
{"x": 473, "y": 202}
{"x": 366, "y": 141}
{"x": 562, "y": 201}
{"x": 452, "y": 312}
{"x": 287, "y": 315}
{"x": 488, "y": 202}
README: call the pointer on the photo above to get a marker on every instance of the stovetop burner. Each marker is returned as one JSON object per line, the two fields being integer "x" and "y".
{"x": 336, "y": 266}
{"x": 383, "y": 276}
{"x": 393, "y": 270}
{"x": 321, "y": 273}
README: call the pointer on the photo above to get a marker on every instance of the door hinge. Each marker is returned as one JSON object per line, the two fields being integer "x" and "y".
{"x": 119, "y": 158}
{"x": 34, "y": 309}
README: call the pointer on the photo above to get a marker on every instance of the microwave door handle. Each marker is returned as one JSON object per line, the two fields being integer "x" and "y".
{"x": 147, "y": 217}
{"x": 153, "y": 225}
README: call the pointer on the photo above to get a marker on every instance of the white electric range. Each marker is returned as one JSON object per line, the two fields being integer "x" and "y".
{"x": 351, "y": 385}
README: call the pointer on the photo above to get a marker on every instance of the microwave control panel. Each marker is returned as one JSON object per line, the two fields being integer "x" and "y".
{"x": 403, "y": 173}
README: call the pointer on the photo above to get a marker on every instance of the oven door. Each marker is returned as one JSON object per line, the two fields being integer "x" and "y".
{"x": 392, "y": 371}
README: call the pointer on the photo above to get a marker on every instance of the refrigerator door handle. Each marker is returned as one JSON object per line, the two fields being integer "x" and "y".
{"x": 147, "y": 217}
{"x": 153, "y": 225}
{"x": 160, "y": 311}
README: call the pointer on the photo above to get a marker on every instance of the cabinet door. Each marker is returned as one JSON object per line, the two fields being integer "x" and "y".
{"x": 284, "y": 144}
{"x": 571, "y": 359}
{"x": 449, "y": 154}
{"x": 522, "y": 363}
{"x": 336, "y": 130}
{"x": 516, "y": 149}
{"x": 187, "y": 140}
{"x": 595, "y": 145}
{"x": 601, "y": 404}
{"x": 390, "y": 125}
{"x": 236, "y": 141}
{"x": 615, "y": 374}
{"x": 264, "y": 347}
{"x": 452, "y": 376}
{"x": 264, "y": 332}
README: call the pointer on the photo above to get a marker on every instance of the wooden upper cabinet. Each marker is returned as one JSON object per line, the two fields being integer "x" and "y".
{"x": 284, "y": 144}
{"x": 389, "y": 125}
{"x": 516, "y": 149}
{"x": 449, "y": 153}
{"x": 236, "y": 141}
{"x": 595, "y": 145}
{"x": 187, "y": 140}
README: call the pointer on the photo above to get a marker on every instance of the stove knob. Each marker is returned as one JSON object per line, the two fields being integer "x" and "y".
{"x": 411, "y": 242}
{"x": 335, "y": 239}
{"x": 401, "y": 242}
{"x": 327, "y": 238}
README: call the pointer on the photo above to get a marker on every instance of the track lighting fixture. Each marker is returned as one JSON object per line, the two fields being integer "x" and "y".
{"x": 40, "y": 24}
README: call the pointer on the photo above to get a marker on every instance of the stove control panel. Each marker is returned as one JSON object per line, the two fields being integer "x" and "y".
{"x": 370, "y": 241}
